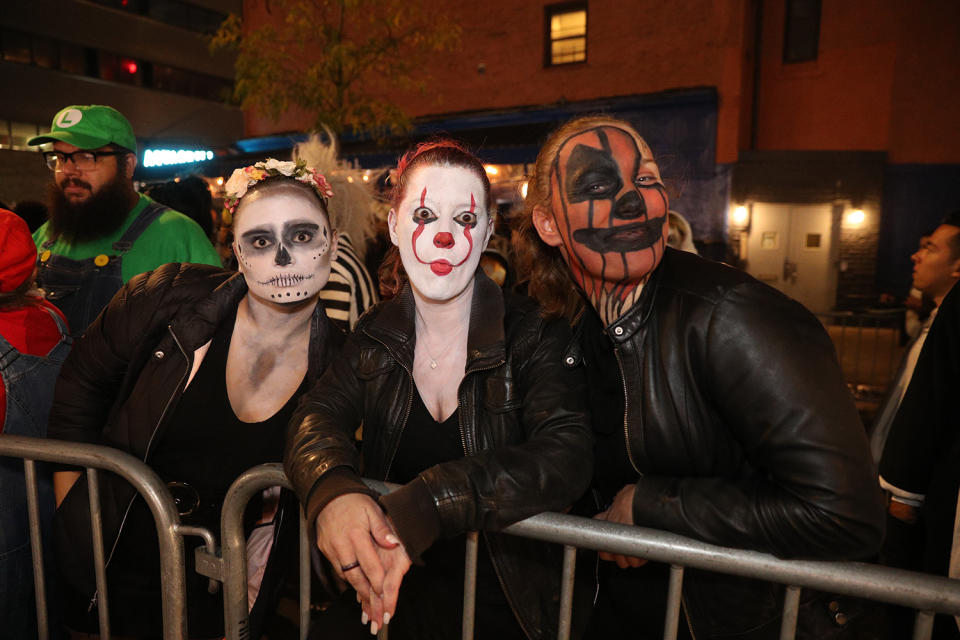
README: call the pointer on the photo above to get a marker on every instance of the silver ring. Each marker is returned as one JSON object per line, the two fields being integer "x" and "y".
{"x": 347, "y": 567}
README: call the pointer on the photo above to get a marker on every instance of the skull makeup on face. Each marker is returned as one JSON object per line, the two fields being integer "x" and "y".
{"x": 441, "y": 226}
{"x": 284, "y": 245}
{"x": 610, "y": 210}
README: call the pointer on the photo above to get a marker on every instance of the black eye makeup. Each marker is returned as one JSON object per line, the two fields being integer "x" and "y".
{"x": 423, "y": 215}
{"x": 591, "y": 174}
{"x": 466, "y": 219}
{"x": 258, "y": 238}
{"x": 300, "y": 232}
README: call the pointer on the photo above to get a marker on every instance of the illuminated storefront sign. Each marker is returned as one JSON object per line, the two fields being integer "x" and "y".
{"x": 167, "y": 157}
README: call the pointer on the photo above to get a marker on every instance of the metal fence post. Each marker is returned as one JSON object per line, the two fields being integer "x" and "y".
{"x": 155, "y": 494}
{"x": 36, "y": 547}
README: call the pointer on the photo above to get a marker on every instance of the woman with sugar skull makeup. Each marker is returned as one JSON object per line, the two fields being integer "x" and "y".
{"x": 197, "y": 371}
{"x": 466, "y": 401}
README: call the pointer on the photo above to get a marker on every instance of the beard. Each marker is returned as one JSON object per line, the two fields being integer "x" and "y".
{"x": 99, "y": 215}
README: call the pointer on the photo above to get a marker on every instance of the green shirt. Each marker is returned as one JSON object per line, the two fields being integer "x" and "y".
{"x": 173, "y": 237}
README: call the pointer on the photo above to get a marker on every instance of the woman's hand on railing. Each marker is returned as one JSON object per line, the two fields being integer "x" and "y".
{"x": 351, "y": 530}
{"x": 621, "y": 510}
{"x": 396, "y": 562}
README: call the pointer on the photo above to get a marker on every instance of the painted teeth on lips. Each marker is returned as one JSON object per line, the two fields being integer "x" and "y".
{"x": 286, "y": 281}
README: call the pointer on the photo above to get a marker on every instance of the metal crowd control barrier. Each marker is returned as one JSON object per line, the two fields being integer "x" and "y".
{"x": 926, "y": 593}
{"x": 157, "y": 497}
{"x": 868, "y": 347}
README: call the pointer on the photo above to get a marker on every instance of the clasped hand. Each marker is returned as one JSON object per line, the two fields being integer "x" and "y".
{"x": 621, "y": 511}
{"x": 351, "y": 529}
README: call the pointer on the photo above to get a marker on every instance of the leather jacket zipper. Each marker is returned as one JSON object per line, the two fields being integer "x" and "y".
{"x": 403, "y": 425}
{"x": 406, "y": 415}
{"x": 153, "y": 434}
{"x": 626, "y": 403}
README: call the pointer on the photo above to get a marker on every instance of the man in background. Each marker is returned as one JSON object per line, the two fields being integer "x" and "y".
{"x": 101, "y": 232}
{"x": 936, "y": 268}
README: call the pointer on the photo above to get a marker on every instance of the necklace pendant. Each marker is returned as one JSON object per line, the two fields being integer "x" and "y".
{"x": 433, "y": 364}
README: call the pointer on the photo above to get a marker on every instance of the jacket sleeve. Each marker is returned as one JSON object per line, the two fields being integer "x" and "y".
{"x": 547, "y": 471}
{"x": 923, "y": 433}
{"x": 109, "y": 353}
{"x": 810, "y": 489}
{"x": 321, "y": 458}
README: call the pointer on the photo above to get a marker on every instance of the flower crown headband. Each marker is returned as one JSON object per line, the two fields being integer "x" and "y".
{"x": 242, "y": 179}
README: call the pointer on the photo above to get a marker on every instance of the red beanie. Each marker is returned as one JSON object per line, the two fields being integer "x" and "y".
{"x": 18, "y": 253}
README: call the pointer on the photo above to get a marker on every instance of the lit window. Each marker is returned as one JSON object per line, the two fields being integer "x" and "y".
{"x": 566, "y": 36}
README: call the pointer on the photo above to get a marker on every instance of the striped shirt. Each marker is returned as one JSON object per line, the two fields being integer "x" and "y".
{"x": 350, "y": 290}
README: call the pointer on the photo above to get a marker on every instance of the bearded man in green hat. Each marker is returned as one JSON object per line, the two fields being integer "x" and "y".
{"x": 102, "y": 232}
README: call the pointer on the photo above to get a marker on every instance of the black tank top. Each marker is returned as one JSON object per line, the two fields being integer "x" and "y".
{"x": 431, "y": 596}
{"x": 203, "y": 448}
{"x": 206, "y": 446}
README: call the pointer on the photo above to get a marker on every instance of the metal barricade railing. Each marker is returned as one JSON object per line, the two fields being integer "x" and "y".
{"x": 154, "y": 492}
{"x": 868, "y": 347}
{"x": 925, "y": 593}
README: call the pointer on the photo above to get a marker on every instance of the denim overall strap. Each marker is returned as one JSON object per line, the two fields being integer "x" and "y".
{"x": 149, "y": 214}
{"x": 82, "y": 288}
{"x": 28, "y": 381}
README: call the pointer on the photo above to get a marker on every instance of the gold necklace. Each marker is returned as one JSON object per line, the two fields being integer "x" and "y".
{"x": 422, "y": 334}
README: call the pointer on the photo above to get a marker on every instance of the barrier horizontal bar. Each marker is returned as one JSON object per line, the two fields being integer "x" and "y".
{"x": 870, "y": 581}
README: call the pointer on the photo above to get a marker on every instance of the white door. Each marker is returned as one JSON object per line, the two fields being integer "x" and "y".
{"x": 789, "y": 248}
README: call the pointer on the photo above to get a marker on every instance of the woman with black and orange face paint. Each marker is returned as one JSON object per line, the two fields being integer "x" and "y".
{"x": 718, "y": 408}
{"x": 466, "y": 401}
{"x": 608, "y": 213}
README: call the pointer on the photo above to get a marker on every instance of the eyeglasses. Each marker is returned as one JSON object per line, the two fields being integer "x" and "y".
{"x": 82, "y": 160}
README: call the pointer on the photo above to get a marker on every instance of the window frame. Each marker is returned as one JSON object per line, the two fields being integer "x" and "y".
{"x": 790, "y": 46}
{"x": 551, "y": 10}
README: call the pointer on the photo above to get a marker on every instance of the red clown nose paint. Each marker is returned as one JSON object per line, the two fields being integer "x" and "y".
{"x": 443, "y": 240}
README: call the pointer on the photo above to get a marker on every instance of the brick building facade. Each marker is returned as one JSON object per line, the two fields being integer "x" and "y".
{"x": 753, "y": 103}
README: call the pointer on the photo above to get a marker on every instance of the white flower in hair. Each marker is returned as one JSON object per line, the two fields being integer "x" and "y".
{"x": 236, "y": 186}
{"x": 242, "y": 179}
{"x": 285, "y": 168}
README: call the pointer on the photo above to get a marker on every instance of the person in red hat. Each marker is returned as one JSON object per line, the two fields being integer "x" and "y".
{"x": 34, "y": 341}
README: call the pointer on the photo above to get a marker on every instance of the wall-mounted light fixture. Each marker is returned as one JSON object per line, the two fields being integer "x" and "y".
{"x": 740, "y": 216}
{"x": 855, "y": 217}
{"x": 523, "y": 190}
{"x": 491, "y": 170}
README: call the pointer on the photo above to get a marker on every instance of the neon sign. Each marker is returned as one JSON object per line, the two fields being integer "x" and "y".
{"x": 167, "y": 157}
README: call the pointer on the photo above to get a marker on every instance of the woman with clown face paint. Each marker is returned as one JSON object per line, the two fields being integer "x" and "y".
{"x": 197, "y": 371}
{"x": 466, "y": 402}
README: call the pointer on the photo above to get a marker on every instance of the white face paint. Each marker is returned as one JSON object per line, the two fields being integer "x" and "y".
{"x": 283, "y": 245}
{"x": 441, "y": 227}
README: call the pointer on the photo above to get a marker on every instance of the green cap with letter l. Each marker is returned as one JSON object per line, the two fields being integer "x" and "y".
{"x": 89, "y": 127}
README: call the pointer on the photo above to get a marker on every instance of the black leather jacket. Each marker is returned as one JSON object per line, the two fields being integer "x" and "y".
{"x": 125, "y": 376}
{"x": 523, "y": 423}
{"x": 739, "y": 428}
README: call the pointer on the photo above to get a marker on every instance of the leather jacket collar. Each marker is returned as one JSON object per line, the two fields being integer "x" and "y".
{"x": 195, "y": 328}
{"x": 623, "y": 328}
{"x": 395, "y": 326}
